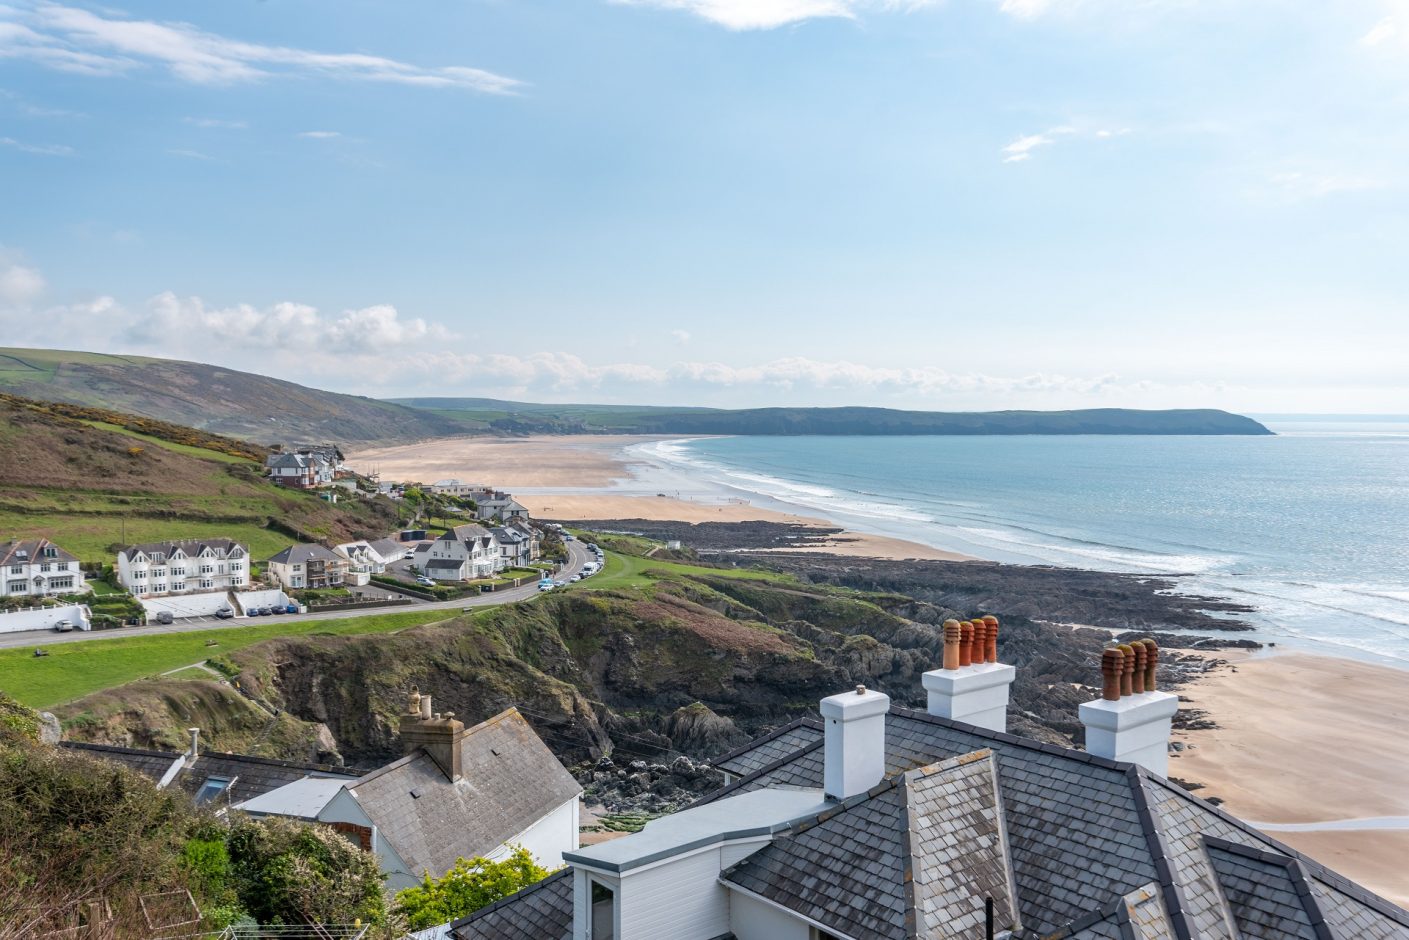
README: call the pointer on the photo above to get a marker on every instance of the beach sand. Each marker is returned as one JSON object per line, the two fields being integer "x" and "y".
{"x": 1306, "y": 738}
{"x": 585, "y": 461}
{"x": 584, "y": 466}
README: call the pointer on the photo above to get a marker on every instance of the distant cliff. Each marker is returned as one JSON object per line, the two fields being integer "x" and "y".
{"x": 525, "y": 417}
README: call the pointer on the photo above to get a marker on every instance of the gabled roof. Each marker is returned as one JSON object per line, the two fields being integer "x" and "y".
{"x": 191, "y": 547}
{"x": 510, "y": 781}
{"x": 895, "y": 867}
{"x": 32, "y": 549}
{"x": 250, "y": 776}
{"x": 1099, "y": 849}
{"x": 302, "y": 554}
{"x": 1267, "y": 893}
{"x": 542, "y": 911}
{"x": 777, "y": 744}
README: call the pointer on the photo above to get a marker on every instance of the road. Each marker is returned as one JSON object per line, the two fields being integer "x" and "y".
{"x": 577, "y": 557}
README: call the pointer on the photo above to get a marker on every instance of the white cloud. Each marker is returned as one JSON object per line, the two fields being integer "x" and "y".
{"x": 77, "y": 40}
{"x": 284, "y": 327}
{"x": 681, "y": 336}
{"x": 190, "y": 154}
{"x": 1021, "y": 149}
{"x": 770, "y": 14}
{"x": 48, "y": 150}
{"x": 19, "y": 284}
{"x": 1382, "y": 32}
{"x": 320, "y": 135}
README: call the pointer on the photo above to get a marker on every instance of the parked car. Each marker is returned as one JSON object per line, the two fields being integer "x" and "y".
{"x": 63, "y": 626}
{"x": 277, "y": 609}
{"x": 423, "y": 580}
{"x": 265, "y": 612}
{"x": 291, "y": 609}
{"x": 224, "y": 613}
{"x": 253, "y": 611}
{"x": 569, "y": 537}
{"x": 576, "y": 577}
{"x": 547, "y": 585}
{"x": 165, "y": 617}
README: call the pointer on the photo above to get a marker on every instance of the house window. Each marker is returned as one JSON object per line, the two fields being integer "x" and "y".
{"x": 158, "y": 588}
{"x": 61, "y": 584}
{"x": 207, "y": 569}
{"x": 158, "y": 572}
{"x": 207, "y": 583}
{"x": 603, "y": 912}
{"x": 159, "y": 557}
{"x": 212, "y": 788}
{"x": 45, "y": 567}
{"x": 139, "y": 576}
{"x": 17, "y": 569}
{"x": 236, "y": 566}
{"x": 15, "y": 587}
{"x": 237, "y": 580}
{"x": 178, "y": 572}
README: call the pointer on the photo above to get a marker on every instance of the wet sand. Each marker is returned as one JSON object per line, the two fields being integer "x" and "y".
{"x": 1309, "y": 739}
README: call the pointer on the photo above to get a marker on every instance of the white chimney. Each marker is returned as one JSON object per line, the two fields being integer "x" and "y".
{"x": 1131, "y": 721}
{"x": 854, "y": 741}
{"x": 973, "y": 686}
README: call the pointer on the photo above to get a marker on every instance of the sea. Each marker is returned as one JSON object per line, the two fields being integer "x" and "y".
{"x": 1310, "y": 526}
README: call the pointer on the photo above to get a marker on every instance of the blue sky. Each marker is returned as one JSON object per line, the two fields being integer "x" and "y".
{"x": 957, "y": 204}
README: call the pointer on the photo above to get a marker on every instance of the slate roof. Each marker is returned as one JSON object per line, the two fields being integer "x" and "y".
{"x": 542, "y": 911}
{"x": 779, "y": 743}
{"x": 34, "y": 548}
{"x": 895, "y": 868}
{"x": 510, "y": 780}
{"x": 1098, "y": 849}
{"x": 250, "y": 776}
{"x": 302, "y": 554}
{"x": 191, "y": 547}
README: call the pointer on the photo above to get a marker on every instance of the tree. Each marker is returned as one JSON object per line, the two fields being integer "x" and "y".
{"x": 466, "y": 888}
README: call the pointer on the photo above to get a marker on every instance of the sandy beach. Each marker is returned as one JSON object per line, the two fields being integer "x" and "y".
{"x": 1309, "y": 739}
{"x": 583, "y": 471}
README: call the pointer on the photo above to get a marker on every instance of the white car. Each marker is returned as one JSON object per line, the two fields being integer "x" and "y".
{"x": 425, "y": 581}
{"x": 546, "y": 585}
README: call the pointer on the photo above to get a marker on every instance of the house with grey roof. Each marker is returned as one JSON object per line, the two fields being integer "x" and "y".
{"x": 38, "y": 568}
{"x": 187, "y": 566}
{"x": 462, "y": 553}
{"x": 458, "y": 793}
{"x": 498, "y": 505}
{"x": 877, "y": 822}
{"x": 301, "y": 470}
{"x": 308, "y": 566}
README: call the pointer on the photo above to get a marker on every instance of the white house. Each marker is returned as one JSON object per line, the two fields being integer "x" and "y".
{"x": 499, "y": 506}
{"x": 458, "y": 793}
{"x": 463, "y": 553}
{"x": 301, "y": 471}
{"x": 308, "y": 566}
{"x": 367, "y": 558}
{"x": 515, "y": 545}
{"x": 188, "y": 566}
{"x": 38, "y": 568}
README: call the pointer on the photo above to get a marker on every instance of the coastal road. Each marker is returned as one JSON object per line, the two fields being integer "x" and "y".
{"x": 577, "y": 557}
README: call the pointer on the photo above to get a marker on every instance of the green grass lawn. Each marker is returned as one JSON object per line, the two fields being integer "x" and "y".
{"x": 72, "y": 670}
{"x": 630, "y": 571}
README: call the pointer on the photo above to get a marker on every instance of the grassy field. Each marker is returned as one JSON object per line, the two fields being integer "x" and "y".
{"x": 72, "y": 670}
{"x": 630, "y": 571}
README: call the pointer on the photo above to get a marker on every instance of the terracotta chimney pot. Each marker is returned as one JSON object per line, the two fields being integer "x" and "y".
{"x": 1137, "y": 680}
{"x": 952, "y": 636}
{"x": 1111, "y": 668}
{"x": 966, "y": 643}
{"x": 992, "y": 651}
{"x": 1151, "y": 661}
{"x": 1127, "y": 669}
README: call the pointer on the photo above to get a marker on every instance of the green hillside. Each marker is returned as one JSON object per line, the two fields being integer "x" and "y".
{"x": 94, "y": 480}
{"x": 225, "y": 401}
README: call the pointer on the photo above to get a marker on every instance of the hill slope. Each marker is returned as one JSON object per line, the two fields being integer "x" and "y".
{"x": 521, "y": 417}
{"x": 226, "y": 401}
{"x": 93, "y": 483}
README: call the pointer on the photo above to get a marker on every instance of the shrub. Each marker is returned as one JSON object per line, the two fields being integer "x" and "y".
{"x": 285, "y": 872}
{"x": 466, "y": 888}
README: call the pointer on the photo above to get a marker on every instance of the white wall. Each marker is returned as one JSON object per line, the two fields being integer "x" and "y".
{"x": 44, "y": 618}
{"x": 205, "y": 605}
{"x": 681, "y": 899}
{"x": 547, "y": 839}
{"x": 269, "y": 598}
{"x": 344, "y": 808}
{"x": 752, "y": 919}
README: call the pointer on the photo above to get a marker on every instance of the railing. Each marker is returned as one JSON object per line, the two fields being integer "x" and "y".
{"x": 352, "y": 931}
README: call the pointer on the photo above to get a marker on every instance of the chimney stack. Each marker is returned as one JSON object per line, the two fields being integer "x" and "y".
{"x": 972, "y": 687}
{"x": 195, "y": 742}
{"x": 440, "y": 735}
{"x": 854, "y": 742}
{"x": 1131, "y": 721}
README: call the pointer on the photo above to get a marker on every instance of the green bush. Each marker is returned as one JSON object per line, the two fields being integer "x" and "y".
{"x": 285, "y": 872}
{"x": 466, "y": 888}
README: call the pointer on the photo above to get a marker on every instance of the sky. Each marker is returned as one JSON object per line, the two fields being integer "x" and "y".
{"x": 939, "y": 204}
